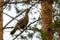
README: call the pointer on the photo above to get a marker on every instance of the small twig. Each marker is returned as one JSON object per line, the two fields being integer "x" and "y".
{"x": 16, "y": 2}
{"x": 26, "y": 28}
{"x": 8, "y": 27}
{"x": 9, "y": 16}
{"x": 56, "y": 15}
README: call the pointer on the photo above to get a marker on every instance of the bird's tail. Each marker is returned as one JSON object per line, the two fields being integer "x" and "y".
{"x": 13, "y": 31}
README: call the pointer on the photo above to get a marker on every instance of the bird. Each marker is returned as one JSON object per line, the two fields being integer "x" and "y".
{"x": 27, "y": 1}
{"x": 22, "y": 23}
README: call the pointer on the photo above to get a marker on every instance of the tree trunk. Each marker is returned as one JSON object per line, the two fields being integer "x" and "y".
{"x": 1, "y": 20}
{"x": 46, "y": 15}
{"x": 58, "y": 33}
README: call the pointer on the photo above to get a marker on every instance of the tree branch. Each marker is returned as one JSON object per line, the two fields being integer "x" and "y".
{"x": 9, "y": 16}
{"x": 16, "y": 2}
{"x": 8, "y": 27}
{"x": 26, "y": 28}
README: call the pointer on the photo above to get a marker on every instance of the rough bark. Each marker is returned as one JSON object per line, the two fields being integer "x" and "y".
{"x": 1, "y": 20}
{"x": 58, "y": 33}
{"x": 46, "y": 14}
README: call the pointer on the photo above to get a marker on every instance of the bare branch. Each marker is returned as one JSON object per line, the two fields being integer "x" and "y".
{"x": 9, "y": 16}
{"x": 8, "y": 27}
{"x": 26, "y": 28}
{"x": 56, "y": 15}
{"x": 8, "y": 2}
{"x": 16, "y": 2}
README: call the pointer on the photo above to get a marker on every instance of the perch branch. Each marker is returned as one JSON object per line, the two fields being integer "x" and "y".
{"x": 26, "y": 28}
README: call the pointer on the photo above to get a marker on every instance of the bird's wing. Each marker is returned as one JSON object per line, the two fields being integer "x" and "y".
{"x": 20, "y": 21}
